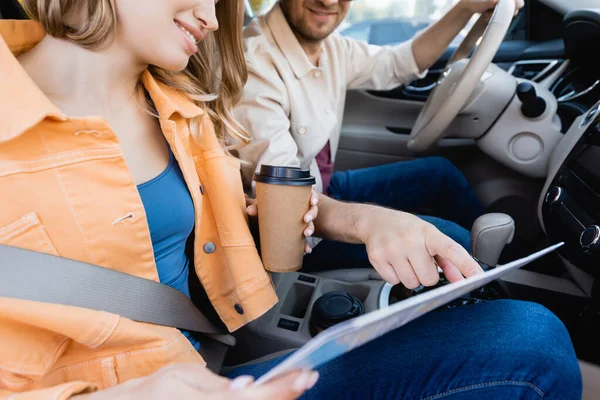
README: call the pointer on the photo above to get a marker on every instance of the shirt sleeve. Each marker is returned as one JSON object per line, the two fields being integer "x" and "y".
{"x": 379, "y": 67}
{"x": 264, "y": 112}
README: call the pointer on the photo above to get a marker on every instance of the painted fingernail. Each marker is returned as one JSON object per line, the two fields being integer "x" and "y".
{"x": 241, "y": 382}
{"x": 309, "y": 232}
{"x": 312, "y": 380}
{"x": 308, "y": 218}
{"x": 314, "y": 201}
{"x": 301, "y": 382}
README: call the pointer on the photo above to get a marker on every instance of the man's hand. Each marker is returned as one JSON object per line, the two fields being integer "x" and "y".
{"x": 487, "y": 6}
{"x": 430, "y": 44}
{"x": 309, "y": 217}
{"x": 403, "y": 247}
{"x": 193, "y": 381}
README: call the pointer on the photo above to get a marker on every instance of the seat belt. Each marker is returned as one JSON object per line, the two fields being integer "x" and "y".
{"x": 35, "y": 276}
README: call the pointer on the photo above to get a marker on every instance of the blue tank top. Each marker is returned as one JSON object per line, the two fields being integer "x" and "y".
{"x": 170, "y": 213}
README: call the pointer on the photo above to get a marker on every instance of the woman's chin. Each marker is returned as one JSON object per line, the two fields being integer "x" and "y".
{"x": 175, "y": 64}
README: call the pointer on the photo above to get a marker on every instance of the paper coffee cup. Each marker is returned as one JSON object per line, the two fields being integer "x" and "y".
{"x": 283, "y": 196}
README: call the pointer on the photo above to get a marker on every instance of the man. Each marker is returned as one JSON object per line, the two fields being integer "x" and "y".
{"x": 293, "y": 103}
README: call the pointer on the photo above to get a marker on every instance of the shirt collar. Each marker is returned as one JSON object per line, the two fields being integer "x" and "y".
{"x": 169, "y": 101}
{"x": 23, "y": 105}
{"x": 288, "y": 42}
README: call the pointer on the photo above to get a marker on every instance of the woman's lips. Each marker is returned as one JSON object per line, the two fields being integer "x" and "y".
{"x": 192, "y": 36}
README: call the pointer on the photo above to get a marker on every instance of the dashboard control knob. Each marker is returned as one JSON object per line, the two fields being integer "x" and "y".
{"x": 533, "y": 105}
{"x": 590, "y": 238}
{"x": 554, "y": 194}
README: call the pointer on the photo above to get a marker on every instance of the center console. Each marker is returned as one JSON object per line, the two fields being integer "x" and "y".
{"x": 312, "y": 302}
{"x": 291, "y": 320}
{"x": 570, "y": 206}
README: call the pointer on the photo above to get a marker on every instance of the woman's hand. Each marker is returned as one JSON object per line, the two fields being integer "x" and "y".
{"x": 193, "y": 381}
{"x": 309, "y": 217}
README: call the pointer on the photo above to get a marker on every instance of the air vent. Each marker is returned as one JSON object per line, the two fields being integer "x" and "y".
{"x": 533, "y": 70}
{"x": 575, "y": 83}
{"x": 590, "y": 115}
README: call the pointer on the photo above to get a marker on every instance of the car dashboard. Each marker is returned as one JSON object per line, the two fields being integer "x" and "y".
{"x": 569, "y": 207}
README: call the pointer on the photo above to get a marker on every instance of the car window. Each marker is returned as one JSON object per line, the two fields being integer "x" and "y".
{"x": 381, "y": 22}
{"x": 395, "y": 21}
{"x": 387, "y": 22}
{"x": 360, "y": 31}
{"x": 384, "y": 33}
{"x": 261, "y": 6}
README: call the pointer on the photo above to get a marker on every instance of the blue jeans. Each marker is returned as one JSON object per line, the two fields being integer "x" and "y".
{"x": 504, "y": 349}
{"x": 432, "y": 188}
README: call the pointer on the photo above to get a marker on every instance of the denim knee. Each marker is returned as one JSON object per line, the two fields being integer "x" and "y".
{"x": 444, "y": 168}
{"x": 537, "y": 340}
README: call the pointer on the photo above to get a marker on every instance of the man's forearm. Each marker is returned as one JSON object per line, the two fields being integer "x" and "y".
{"x": 341, "y": 221}
{"x": 429, "y": 46}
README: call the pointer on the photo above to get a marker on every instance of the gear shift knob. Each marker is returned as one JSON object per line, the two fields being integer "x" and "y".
{"x": 532, "y": 105}
{"x": 489, "y": 234}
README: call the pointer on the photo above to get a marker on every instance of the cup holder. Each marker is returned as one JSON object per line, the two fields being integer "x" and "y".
{"x": 357, "y": 290}
{"x": 333, "y": 308}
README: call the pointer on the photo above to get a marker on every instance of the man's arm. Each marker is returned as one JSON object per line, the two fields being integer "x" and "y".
{"x": 263, "y": 111}
{"x": 386, "y": 67}
{"x": 340, "y": 221}
{"x": 431, "y": 43}
{"x": 372, "y": 67}
{"x": 401, "y": 246}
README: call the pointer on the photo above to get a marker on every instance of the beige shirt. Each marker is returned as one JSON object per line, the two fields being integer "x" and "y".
{"x": 291, "y": 107}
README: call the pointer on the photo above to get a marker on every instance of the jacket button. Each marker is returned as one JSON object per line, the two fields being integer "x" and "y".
{"x": 238, "y": 309}
{"x": 209, "y": 247}
{"x": 202, "y": 189}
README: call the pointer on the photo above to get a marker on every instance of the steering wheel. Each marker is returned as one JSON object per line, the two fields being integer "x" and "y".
{"x": 460, "y": 77}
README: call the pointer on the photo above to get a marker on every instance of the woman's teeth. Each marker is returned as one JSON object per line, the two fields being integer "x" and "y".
{"x": 189, "y": 35}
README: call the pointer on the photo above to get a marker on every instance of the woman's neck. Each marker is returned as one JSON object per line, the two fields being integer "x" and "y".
{"x": 82, "y": 82}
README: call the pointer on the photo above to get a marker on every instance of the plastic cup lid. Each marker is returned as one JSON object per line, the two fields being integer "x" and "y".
{"x": 292, "y": 176}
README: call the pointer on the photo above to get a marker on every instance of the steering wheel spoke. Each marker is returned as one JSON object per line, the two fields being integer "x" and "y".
{"x": 461, "y": 77}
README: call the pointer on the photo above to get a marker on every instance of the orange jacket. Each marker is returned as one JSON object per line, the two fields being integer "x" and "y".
{"x": 65, "y": 189}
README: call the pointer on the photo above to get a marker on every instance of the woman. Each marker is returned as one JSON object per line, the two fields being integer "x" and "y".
{"x": 110, "y": 157}
{"x": 128, "y": 189}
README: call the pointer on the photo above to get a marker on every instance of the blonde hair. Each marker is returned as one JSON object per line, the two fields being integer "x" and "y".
{"x": 213, "y": 79}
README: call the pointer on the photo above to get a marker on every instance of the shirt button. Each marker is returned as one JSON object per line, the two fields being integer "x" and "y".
{"x": 317, "y": 74}
{"x": 302, "y": 131}
{"x": 238, "y": 309}
{"x": 209, "y": 247}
